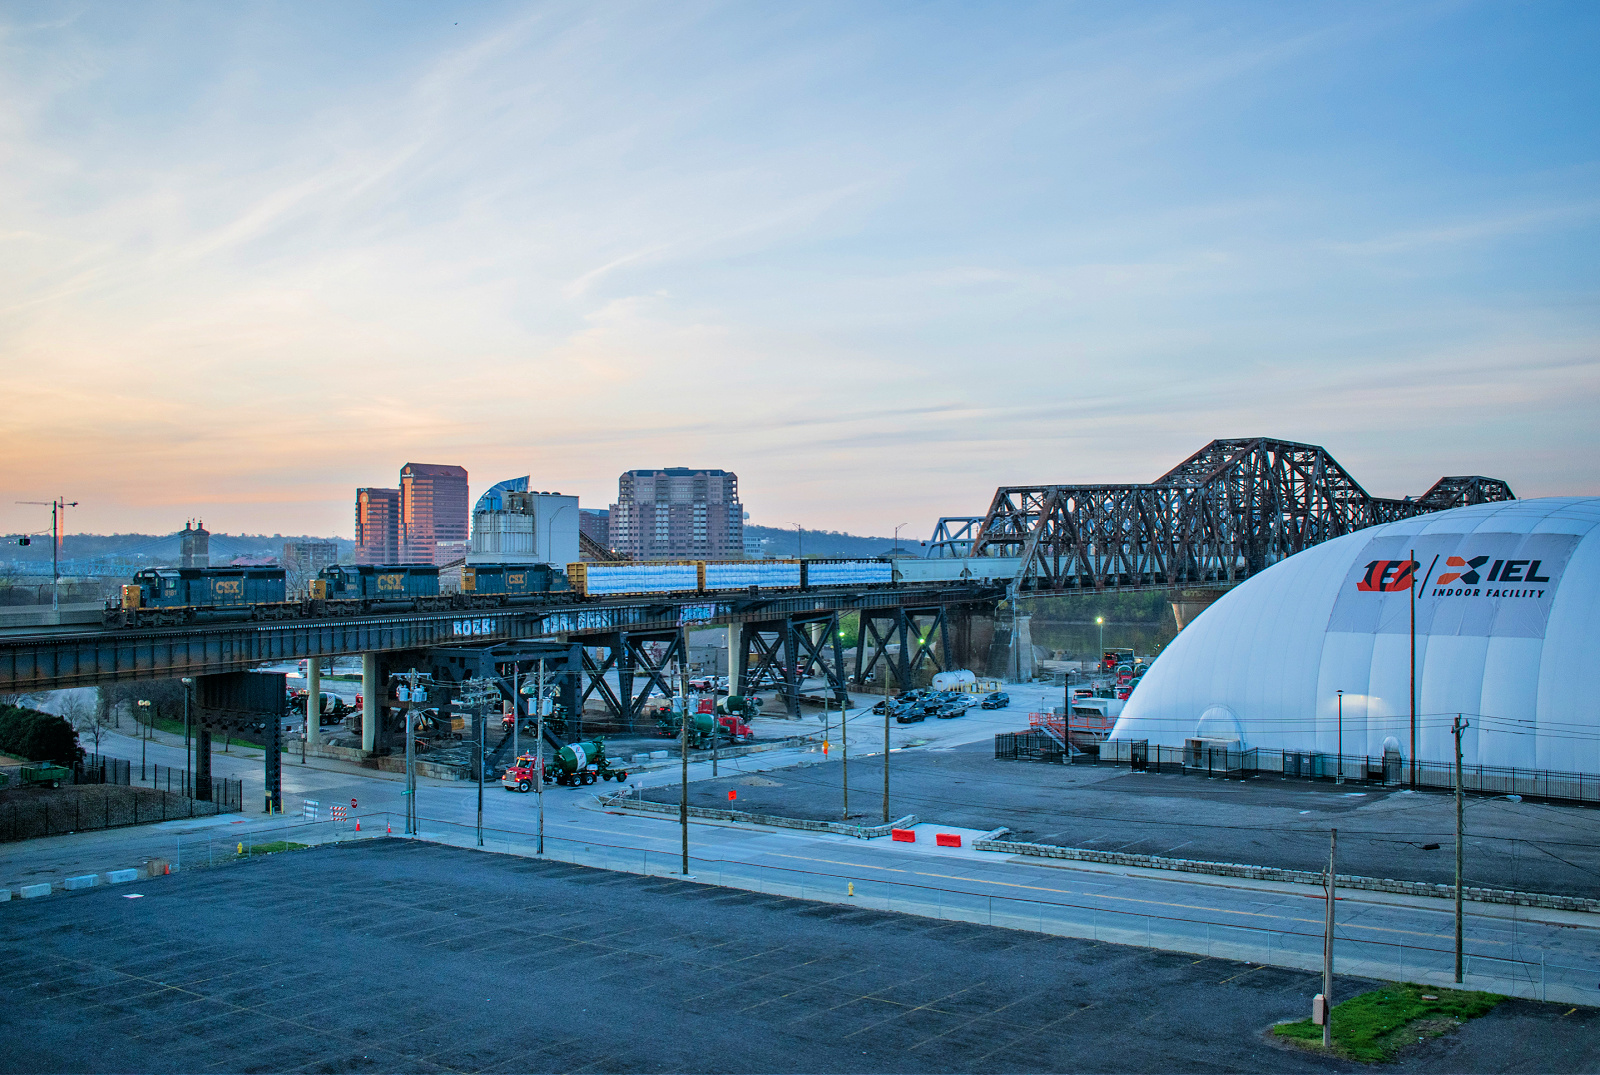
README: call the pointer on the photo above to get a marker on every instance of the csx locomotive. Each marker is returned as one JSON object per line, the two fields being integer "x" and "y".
{"x": 169, "y": 596}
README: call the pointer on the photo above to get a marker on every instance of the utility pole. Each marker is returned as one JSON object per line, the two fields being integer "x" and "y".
{"x": 1339, "y": 764}
{"x": 1327, "y": 944}
{"x": 844, "y": 748}
{"x": 475, "y": 694}
{"x": 539, "y": 750}
{"x": 409, "y": 692}
{"x": 1457, "y": 728}
{"x": 683, "y": 747}
{"x": 58, "y": 512}
{"x": 1414, "y": 566}
{"x": 516, "y": 711}
{"x": 886, "y": 742}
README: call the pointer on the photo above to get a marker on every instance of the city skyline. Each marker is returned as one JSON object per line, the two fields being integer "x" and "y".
{"x": 876, "y": 262}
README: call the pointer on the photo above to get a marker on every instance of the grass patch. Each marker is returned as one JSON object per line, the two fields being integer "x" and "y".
{"x": 1373, "y": 1026}
{"x": 274, "y": 847}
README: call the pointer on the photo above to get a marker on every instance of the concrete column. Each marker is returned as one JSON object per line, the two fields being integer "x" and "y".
{"x": 314, "y": 702}
{"x": 202, "y": 762}
{"x": 371, "y": 714}
{"x": 736, "y": 658}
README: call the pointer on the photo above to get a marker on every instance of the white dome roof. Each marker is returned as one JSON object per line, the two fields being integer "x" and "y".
{"x": 1507, "y": 633}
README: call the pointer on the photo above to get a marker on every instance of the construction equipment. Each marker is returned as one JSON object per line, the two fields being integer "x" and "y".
{"x": 583, "y": 763}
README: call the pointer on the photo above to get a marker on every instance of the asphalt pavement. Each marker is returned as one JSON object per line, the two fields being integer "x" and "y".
{"x": 447, "y": 959}
{"x": 1266, "y": 820}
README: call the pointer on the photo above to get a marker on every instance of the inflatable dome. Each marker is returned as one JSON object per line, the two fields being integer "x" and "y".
{"x": 1507, "y": 614}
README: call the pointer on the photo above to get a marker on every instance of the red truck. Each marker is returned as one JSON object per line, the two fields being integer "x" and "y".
{"x": 521, "y": 774}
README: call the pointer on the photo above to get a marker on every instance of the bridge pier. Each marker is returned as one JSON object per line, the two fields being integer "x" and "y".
{"x": 313, "y": 731}
{"x": 913, "y": 632}
{"x": 787, "y": 651}
{"x": 202, "y": 761}
{"x": 232, "y": 700}
{"x": 371, "y": 713}
{"x": 1011, "y": 651}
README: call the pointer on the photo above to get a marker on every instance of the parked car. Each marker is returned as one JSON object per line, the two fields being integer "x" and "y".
{"x": 997, "y": 700}
{"x": 950, "y": 709}
{"x": 910, "y": 714}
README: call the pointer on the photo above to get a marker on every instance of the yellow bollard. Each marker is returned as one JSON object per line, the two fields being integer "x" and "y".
{"x": 852, "y": 888}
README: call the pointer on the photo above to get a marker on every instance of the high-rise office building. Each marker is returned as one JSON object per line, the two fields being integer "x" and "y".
{"x": 377, "y": 526}
{"x": 678, "y": 514}
{"x": 433, "y": 511}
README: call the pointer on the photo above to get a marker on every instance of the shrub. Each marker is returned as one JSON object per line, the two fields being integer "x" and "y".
{"x": 36, "y": 736}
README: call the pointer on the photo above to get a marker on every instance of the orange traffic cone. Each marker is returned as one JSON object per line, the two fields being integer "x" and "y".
{"x": 388, "y": 830}
{"x": 358, "y": 824}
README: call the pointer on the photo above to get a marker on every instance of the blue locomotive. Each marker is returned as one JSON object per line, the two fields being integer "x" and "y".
{"x": 376, "y": 582}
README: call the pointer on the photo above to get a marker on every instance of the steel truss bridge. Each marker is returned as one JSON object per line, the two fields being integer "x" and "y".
{"x": 1229, "y": 511}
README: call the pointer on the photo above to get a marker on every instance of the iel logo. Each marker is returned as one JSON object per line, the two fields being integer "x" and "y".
{"x": 1468, "y": 577}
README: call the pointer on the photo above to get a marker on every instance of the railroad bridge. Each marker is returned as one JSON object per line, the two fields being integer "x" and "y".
{"x": 1227, "y": 512}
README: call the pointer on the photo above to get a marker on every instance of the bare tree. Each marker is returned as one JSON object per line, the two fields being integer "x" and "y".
{"x": 87, "y": 717}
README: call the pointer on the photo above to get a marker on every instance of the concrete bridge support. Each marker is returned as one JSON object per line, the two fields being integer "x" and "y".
{"x": 1011, "y": 651}
{"x": 313, "y": 703}
{"x": 371, "y": 693}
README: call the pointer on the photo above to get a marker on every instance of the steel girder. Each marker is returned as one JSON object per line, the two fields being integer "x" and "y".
{"x": 953, "y": 536}
{"x": 1227, "y": 512}
{"x": 913, "y": 631}
{"x": 788, "y": 651}
{"x": 50, "y": 660}
{"x": 625, "y": 653}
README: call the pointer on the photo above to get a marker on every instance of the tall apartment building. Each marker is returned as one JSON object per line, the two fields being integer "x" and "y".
{"x": 422, "y": 522}
{"x": 377, "y": 526}
{"x": 678, "y": 514}
{"x": 433, "y": 511}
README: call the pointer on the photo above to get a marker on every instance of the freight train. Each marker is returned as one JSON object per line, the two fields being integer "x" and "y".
{"x": 163, "y": 597}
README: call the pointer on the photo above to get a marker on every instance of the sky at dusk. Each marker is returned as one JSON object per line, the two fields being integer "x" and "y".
{"x": 875, "y": 258}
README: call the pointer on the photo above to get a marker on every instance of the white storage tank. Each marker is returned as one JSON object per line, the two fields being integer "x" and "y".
{"x": 953, "y": 681}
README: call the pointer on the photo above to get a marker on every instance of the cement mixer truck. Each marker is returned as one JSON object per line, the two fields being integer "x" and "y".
{"x": 583, "y": 763}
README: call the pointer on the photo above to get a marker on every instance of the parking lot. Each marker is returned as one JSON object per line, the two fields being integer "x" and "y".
{"x": 1265, "y": 820}
{"x": 444, "y": 959}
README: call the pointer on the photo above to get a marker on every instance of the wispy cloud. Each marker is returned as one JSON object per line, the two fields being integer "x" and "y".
{"x": 874, "y": 261}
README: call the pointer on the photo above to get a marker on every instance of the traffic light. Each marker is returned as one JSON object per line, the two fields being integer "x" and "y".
{"x": 25, "y": 541}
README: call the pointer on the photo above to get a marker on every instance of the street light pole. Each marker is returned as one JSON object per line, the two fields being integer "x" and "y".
{"x": 144, "y": 703}
{"x": 538, "y": 747}
{"x": 1327, "y": 944}
{"x": 886, "y": 742}
{"x": 1339, "y": 763}
{"x": 683, "y": 746}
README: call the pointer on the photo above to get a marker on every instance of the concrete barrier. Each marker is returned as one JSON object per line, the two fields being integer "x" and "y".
{"x": 620, "y": 801}
{"x": 118, "y": 877}
{"x": 87, "y": 880}
{"x": 5, "y": 895}
{"x": 33, "y": 892}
